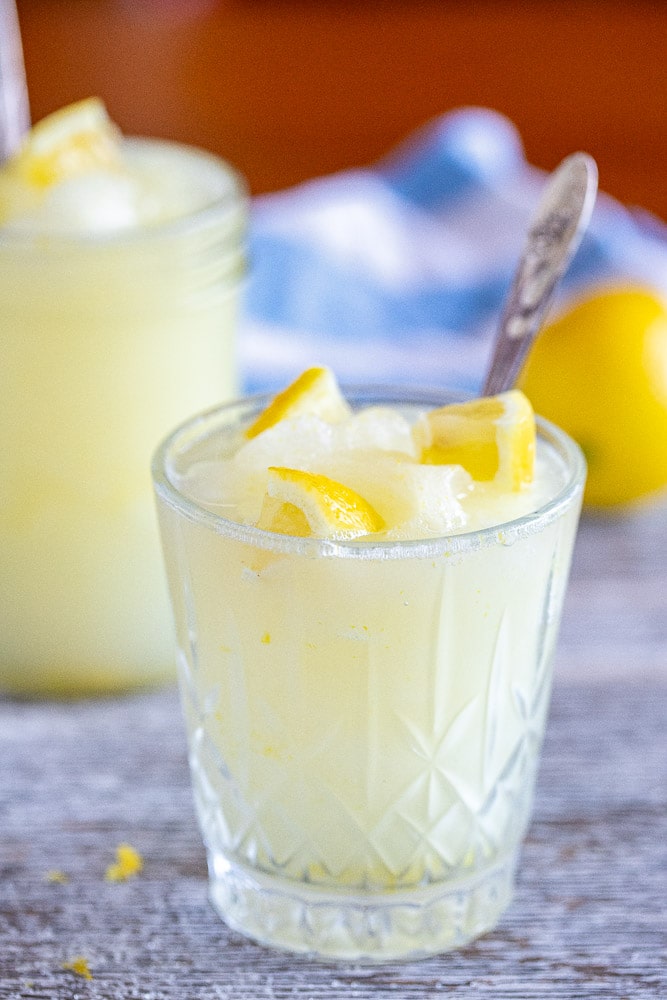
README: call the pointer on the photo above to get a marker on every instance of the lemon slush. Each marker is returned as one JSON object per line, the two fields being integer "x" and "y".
{"x": 120, "y": 269}
{"x": 364, "y": 633}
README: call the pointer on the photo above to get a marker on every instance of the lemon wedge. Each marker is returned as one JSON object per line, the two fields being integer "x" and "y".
{"x": 315, "y": 391}
{"x": 307, "y": 503}
{"x": 493, "y": 438}
{"x": 71, "y": 141}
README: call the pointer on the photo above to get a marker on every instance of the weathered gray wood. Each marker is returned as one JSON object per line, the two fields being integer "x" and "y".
{"x": 590, "y": 914}
{"x": 615, "y": 619}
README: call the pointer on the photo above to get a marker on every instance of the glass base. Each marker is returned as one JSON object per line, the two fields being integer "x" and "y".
{"x": 320, "y": 922}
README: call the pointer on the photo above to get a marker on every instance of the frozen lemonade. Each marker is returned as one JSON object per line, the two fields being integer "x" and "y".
{"x": 366, "y": 594}
{"x": 120, "y": 268}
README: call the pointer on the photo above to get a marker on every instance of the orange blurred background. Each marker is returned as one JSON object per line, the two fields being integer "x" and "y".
{"x": 293, "y": 89}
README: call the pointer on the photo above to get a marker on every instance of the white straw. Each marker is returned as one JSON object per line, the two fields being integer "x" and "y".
{"x": 14, "y": 107}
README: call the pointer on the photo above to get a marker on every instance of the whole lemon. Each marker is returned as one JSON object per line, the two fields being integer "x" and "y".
{"x": 600, "y": 372}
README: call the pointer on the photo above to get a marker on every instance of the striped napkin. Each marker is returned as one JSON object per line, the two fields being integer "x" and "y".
{"x": 397, "y": 272}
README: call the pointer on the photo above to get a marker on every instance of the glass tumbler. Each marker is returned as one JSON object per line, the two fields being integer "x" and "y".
{"x": 364, "y": 718}
{"x": 107, "y": 341}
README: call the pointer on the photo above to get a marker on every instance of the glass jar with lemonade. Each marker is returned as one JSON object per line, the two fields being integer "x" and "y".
{"x": 121, "y": 266}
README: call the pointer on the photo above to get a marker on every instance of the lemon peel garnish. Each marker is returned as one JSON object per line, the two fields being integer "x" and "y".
{"x": 74, "y": 140}
{"x": 306, "y": 503}
{"x": 128, "y": 864}
{"x": 315, "y": 391}
{"x": 493, "y": 438}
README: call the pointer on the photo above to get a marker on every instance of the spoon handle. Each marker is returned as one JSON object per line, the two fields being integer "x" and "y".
{"x": 14, "y": 113}
{"x": 554, "y": 235}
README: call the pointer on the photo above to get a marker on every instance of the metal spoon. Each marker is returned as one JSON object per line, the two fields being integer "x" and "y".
{"x": 558, "y": 225}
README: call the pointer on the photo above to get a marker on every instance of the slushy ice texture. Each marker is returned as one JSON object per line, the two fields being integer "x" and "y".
{"x": 364, "y": 710}
{"x": 120, "y": 270}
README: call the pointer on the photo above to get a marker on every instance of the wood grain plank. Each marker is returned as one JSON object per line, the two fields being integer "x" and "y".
{"x": 588, "y": 919}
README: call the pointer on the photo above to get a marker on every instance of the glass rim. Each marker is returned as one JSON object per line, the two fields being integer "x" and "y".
{"x": 194, "y": 429}
{"x": 237, "y": 197}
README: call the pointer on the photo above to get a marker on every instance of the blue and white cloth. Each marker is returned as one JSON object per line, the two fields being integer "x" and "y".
{"x": 397, "y": 273}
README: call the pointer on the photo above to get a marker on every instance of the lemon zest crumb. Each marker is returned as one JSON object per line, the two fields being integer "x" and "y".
{"x": 57, "y": 876}
{"x": 128, "y": 864}
{"x": 79, "y": 966}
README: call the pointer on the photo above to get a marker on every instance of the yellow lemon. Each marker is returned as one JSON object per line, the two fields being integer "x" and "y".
{"x": 306, "y": 503}
{"x": 493, "y": 438}
{"x": 315, "y": 391}
{"x": 73, "y": 140}
{"x": 600, "y": 372}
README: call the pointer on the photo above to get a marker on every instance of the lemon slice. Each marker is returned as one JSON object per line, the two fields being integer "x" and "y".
{"x": 493, "y": 438}
{"x": 307, "y": 503}
{"x": 73, "y": 140}
{"x": 315, "y": 391}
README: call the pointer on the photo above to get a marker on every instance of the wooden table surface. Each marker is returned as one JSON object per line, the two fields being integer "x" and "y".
{"x": 589, "y": 916}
